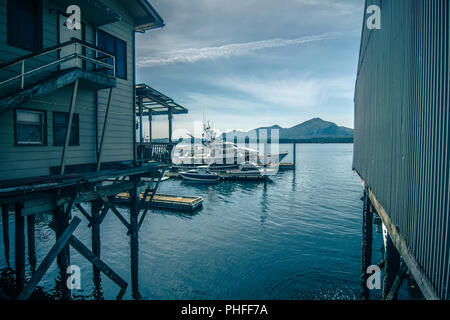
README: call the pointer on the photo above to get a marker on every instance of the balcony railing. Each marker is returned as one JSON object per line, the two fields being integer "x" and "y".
{"x": 161, "y": 152}
{"x": 77, "y": 52}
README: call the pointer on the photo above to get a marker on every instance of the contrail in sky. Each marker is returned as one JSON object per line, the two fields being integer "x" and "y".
{"x": 191, "y": 55}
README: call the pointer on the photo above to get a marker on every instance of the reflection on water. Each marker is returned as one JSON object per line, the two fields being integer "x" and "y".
{"x": 297, "y": 237}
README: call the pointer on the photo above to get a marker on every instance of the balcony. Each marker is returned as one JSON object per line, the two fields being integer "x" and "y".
{"x": 43, "y": 72}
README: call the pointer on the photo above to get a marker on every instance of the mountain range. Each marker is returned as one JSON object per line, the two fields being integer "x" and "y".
{"x": 314, "y": 130}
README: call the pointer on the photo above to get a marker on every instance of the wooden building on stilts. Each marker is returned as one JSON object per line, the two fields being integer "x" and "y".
{"x": 68, "y": 130}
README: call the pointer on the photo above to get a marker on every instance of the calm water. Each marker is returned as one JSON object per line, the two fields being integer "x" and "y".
{"x": 297, "y": 237}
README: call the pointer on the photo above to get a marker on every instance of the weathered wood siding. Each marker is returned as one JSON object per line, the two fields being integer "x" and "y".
{"x": 402, "y": 127}
{"x": 120, "y": 134}
{"x": 28, "y": 161}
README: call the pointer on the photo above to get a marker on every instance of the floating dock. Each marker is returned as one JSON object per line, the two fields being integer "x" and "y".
{"x": 286, "y": 166}
{"x": 225, "y": 176}
{"x": 165, "y": 201}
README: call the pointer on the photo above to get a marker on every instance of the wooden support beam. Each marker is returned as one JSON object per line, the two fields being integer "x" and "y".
{"x": 150, "y": 126}
{"x": 397, "y": 283}
{"x": 96, "y": 206}
{"x": 134, "y": 241}
{"x": 106, "y": 191}
{"x": 84, "y": 213}
{"x": 97, "y": 262}
{"x": 111, "y": 206}
{"x": 75, "y": 243}
{"x": 141, "y": 120}
{"x": 63, "y": 259}
{"x": 31, "y": 237}
{"x": 69, "y": 125}
{"x": 19, "y": 247}
{"x": 294, "y": 154}
{"x": 5, "y": 224}
{"x": 102, "y": 214}
{"x": 408, "y": 257}
{"x": 146, "y": 208}
{"x": 49, "y": 258}
{"x": 170, "y": 116}
{"x": 391, "y": 266}
{"x": 366, "y": 249}
{"x": 105, "y": 125}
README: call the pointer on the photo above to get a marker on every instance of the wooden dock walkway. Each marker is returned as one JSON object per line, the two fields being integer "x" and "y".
{"x": 165, "y": 201}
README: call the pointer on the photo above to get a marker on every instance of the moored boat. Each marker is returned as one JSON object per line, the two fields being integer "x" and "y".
{"x": 200, "y": 175}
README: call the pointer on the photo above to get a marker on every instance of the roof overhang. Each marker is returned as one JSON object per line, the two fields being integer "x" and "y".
{"x": 155, "y": 102}
{"x": 99, "y": 13}
{"x": 95, "y": 11}
{"x": 147, "y": 17}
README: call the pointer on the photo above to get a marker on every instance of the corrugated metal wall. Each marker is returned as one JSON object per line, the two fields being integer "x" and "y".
{"x": 402, "y": 126}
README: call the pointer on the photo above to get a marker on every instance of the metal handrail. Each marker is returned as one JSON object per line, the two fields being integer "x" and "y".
{"x": 75, "y": 42}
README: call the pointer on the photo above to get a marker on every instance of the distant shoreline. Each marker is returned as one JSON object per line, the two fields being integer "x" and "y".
{"x": 289, "y": 141}
{"x": 317, "y": 140}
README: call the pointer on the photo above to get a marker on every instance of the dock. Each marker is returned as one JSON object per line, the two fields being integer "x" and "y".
{"x": 224, "y": 176}
{"x": 164, "y": 201}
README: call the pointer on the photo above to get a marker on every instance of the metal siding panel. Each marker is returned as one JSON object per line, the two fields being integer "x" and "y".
{"x": 401, "y": 126}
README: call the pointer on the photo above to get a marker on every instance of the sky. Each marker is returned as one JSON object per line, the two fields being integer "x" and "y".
{"x": 253, "y": 63}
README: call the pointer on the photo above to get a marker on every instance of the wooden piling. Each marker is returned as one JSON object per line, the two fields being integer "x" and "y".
{"x": 235, "y": 157}
{"x": 134, "y": 241}
{"x": 57, "y": 248}
{"x": 5, "y": 224}
{"x": 366, "y": 250}
{"x": 19, "y": 247}
{"x": 96, "y": 207}
{"x": 294, "y": 154}
{"x": 393, "y": 293}
{"x": 391, "y": 266}
{"x": 31, "y": 237}
{"x": 63, "y": 259}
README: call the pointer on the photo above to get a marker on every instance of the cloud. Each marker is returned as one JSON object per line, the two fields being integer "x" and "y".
{"x": 303, "y": 92}
{"x": 191, "y": 55}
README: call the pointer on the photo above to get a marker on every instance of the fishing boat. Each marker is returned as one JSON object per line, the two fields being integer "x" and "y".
{"x": 200, "y": 175}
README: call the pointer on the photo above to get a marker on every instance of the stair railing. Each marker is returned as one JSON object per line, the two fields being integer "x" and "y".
{"x": 98, "y": 61}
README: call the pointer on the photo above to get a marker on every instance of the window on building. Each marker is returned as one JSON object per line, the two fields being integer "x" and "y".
{"x": 24, "y": 24}
{"x": 30, "y": 127}
{"x": 60, "y": 121}
{"x": 117, "y": 47}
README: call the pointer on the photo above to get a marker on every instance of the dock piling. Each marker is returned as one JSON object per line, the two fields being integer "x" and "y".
{"x": 134, "y": 241}
{"x": 31, "y": 237}
{"x": 19, "y": 247}
{"x": 366, "y": 250}
{"x": 63, "y": 259}
{"x": 96, "y": 206}
{"x": 5, "y": 223}
{"x": 294, "y": 154}
{"x": 392, "y": 266}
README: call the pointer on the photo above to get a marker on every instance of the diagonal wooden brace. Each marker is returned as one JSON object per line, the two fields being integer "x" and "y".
{"x": 92, "y": 258}
{"x": 151, "y": 199}
{"x": 84, "y": 212}
{"x": 115, "y": 211}
{"x": 397, "y": 282}
{"x": 48, "y": 260}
